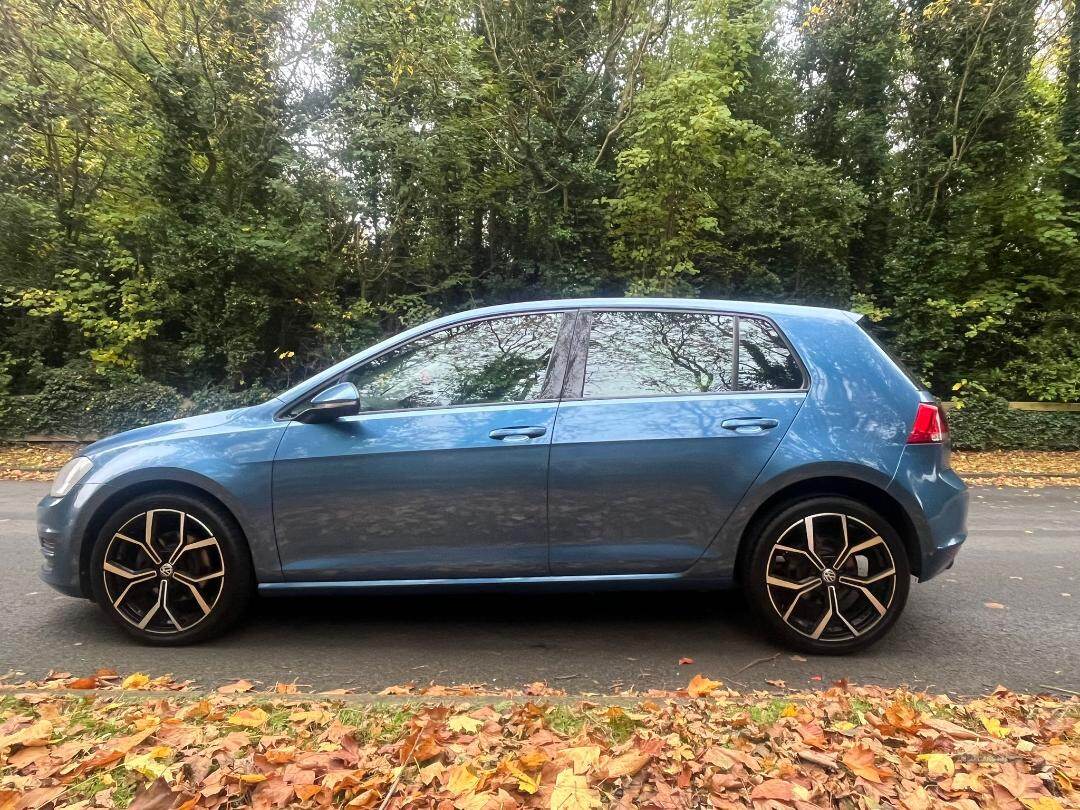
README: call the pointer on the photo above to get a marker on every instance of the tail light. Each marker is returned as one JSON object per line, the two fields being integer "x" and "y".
{"x": 930, "y": 425}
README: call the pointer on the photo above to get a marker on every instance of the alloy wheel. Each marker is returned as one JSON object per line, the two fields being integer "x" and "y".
{"x": 163, "y": 571}
{"x": 831, "y": 577}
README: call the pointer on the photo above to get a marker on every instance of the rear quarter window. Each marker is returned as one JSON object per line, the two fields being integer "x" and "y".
{"x": 766, "y": 362}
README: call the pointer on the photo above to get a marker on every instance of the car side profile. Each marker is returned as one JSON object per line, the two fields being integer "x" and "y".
{"x": 577, "y": 444}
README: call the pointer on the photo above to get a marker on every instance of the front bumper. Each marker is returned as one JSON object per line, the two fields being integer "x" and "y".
{"x": 62, "y": 524}
{"x": 941, "y": 501}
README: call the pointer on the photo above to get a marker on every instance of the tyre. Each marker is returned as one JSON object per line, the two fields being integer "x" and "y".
{"x": 171, "y": 569}
{"x": 827, "y": 575}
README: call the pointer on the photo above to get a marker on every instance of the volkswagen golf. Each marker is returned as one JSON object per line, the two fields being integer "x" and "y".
{"x": 577, "y": 444}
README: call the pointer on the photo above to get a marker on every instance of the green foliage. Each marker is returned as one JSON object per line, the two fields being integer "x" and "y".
{"x": 211, "y": 201}
{"x": 76, "y": 400}
{"x": 985, "y": 422}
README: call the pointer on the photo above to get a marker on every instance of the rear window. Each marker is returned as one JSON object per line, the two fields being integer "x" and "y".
{"x": 881, "y": 337}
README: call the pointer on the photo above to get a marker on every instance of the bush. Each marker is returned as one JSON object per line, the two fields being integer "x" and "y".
{"x": 986, "y": 423}
{"x": 214, "y": 398}
{"x": 76, "y": 400}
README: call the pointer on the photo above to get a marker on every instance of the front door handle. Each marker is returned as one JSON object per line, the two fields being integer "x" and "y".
{"x": 518, "y": 434}
{"x": 749, "y": 425}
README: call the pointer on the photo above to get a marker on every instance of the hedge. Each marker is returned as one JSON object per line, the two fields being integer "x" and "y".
{"x": 987, "y": 423}
{"x": 76, "y": 401}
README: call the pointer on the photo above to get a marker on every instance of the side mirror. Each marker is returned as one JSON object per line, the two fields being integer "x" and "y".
{"x": 336, "y": 401}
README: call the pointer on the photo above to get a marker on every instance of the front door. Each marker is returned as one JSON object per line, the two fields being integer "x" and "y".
{"x": 442, "y": 475}
{"x": 664, "y": 438}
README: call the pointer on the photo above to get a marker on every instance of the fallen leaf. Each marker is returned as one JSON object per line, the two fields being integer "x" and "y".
{"x": 685, "y": 661}
{"x": 700, "y": 686}
{"x": 779, "y": 789}
{"x": 137, "y": 680}
{"x": 994, "y": 605}
{"x": 572, "y": 792}
{"x": 464, "y": 723}
{"x": 583, "y": 757}
{"x": 158, "y": 796}
{"x": 860, "y": 760}
{"x": 938, "y": 764}
{"x": 36, "y": 734}
{"x": 627, "y": 764}
{"x": 249, "y": 718}
{"x": 236, "y": 687}
{"x": 993, "y": 725}
{"x": 461, "y": 780}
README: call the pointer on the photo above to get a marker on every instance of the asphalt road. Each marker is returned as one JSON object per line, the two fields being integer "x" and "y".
{"x": 1023, "y": 553}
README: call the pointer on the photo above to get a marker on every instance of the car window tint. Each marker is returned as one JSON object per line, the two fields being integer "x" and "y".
{"x": 494, "y": 360}
{"x": 641, "y": 353}
{"x": 765, "y": 362}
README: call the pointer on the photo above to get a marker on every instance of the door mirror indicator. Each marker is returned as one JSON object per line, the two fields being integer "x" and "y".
{"x": 336, "y": 401}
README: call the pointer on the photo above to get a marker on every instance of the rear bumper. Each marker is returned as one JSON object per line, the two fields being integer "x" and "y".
{"x": 940, "y": 505}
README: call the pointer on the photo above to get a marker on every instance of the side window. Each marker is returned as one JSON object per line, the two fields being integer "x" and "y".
{"x": 495, "y": 360}
{"x": 641, "y": 353}
{"x": 765, "y": 362}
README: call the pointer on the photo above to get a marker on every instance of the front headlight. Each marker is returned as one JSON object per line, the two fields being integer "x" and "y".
{"x": 70, "y": 474}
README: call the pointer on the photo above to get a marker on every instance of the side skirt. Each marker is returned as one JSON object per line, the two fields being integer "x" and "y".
{"x": 553, "y": 584}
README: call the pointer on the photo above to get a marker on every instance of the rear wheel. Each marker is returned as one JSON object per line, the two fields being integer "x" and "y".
{"x": 827, "y": 575}
{"x": 171, "y": 569}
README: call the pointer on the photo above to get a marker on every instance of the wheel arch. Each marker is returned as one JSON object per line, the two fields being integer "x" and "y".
{"x": 128, "y": 492}
{"x": 866, "y": 492}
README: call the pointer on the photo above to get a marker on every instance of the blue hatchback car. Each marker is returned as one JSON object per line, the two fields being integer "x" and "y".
{"x": 573, "y": 444}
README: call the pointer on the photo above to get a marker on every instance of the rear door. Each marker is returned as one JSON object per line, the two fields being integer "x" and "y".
{"x": 658, "y": 436}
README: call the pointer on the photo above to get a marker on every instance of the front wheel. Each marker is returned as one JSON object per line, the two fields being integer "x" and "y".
{"x": 171, "y": 569}
{"x": 827, "y": 575}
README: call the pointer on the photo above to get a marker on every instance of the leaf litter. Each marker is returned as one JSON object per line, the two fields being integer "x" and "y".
{"x": 145, "y": 743}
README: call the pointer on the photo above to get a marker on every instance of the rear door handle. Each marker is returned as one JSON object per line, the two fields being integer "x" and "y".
{"x": 749, "y": 425}
{"x": 518, "y": 434}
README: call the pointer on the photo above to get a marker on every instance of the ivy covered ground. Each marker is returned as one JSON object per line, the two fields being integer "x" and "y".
{"x": 153, "y": 743}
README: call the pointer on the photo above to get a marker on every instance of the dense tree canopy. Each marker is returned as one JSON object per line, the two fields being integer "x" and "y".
{"x": 229, "y": 193}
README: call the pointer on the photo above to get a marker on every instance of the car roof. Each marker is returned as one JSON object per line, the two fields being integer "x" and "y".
{"x": 766, "y": 309}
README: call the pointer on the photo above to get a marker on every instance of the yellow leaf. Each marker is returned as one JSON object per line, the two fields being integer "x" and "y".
{"x": 462, "y": 722}
{"x": 136, "y": 680}
{"x": 149, "y": 764}
{"x": 938, "y": 764}
{"x": 526, "y": 783}
{"x": 249, "y": 718}
{"x": 789, "y": 711}
{"x": 842, "y": 726}
{"x": 1042, "y": 803}
{"x": 993, "y": 725}
{"x": 700, "y": 686}
{"x": 583, "y": 758}
{"x": 36, "y": 734}
{"x": 251, "y": 778}
{"x": 572, "y": 792}
{"x": 462, "y": 780}
{"x": 317, "y": 716}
